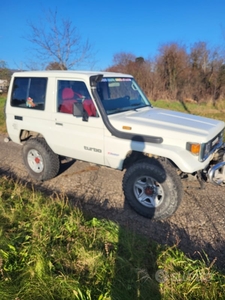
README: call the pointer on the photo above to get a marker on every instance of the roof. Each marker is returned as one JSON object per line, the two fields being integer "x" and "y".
{"x": 68, "y": 73}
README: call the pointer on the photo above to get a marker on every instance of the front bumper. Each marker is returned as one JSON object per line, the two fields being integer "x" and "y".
{"x": 216, "y": 173}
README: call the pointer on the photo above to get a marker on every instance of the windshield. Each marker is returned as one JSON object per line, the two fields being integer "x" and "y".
{"x": 120, "y": 94}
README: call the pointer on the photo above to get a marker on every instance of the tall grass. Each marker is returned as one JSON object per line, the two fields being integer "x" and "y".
{"x": 186, "y": 279}
{"x": 51, "y": 250}
{"x": 2, "y": 115}
{"x": 207, "y": 109}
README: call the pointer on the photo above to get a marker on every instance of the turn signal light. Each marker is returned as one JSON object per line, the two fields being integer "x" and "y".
{"x": 194, "y": 148}
{"x": 127, "y": 127}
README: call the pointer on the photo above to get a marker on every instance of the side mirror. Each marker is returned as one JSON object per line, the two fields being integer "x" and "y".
{"x": 77, "y": 109}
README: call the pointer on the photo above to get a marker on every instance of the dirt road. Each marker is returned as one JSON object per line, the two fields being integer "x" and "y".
{"x": 198, "y": 224}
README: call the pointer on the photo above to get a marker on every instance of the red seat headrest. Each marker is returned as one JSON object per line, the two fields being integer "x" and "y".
{"x": 67, "y": 94}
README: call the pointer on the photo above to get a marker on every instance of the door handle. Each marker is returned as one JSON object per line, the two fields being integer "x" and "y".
{"x": 61, "y": 124}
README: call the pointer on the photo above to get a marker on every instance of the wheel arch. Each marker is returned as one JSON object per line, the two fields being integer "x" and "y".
{"x": 134, "y": 156}
{"x": 41, "y": 162}
{"x": 28, "y": 134}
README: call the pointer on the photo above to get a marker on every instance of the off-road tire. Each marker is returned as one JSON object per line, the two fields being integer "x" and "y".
{"x": 148, "y": 179}
{"x": 41, "y": 162}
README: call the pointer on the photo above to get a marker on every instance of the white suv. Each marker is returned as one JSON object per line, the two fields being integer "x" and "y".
{"x": 105, "y": 118}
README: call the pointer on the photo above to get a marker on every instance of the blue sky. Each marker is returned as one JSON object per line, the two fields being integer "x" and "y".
{"x": 138, "y": 27}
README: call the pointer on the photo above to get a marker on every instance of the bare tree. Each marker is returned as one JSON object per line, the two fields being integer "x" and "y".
{"x": 206, "y": 79}
{"x": 123, "y": 58}
{"x": 175, "y": 74}
{"x": 120, "y": 62}
{"x": 55, "y": 66}
{"x": 140, "y": 68}
{"x": 199, "y": 56}
{"x": 171, "y": 66}
{"x": 57, "y": 40}
{"x": 4, "y": 71}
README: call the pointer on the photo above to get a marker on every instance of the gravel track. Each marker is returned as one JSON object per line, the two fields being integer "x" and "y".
{"x": 198, "y": 224}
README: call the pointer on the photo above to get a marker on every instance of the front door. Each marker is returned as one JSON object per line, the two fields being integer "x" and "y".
{"x": 71, "y": 136}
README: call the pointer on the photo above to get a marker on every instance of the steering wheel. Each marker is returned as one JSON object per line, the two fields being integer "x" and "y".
{"x": 127, "y": 97}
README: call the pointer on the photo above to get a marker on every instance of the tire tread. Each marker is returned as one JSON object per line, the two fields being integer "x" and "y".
{"x": 51, "y": 160}
{"x": 160, "y": 169}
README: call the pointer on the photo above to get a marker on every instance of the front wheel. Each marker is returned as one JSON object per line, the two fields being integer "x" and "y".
{"x": 41, "y": 162}
{"x": 153, "y": 188}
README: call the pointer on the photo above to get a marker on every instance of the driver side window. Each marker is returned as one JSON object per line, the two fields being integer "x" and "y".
{"x": 70, "y": 92}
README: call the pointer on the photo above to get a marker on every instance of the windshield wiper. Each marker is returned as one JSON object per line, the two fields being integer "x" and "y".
{"x": 141, "y": 106}
{"x": 122, "y": 109}
{"x": 134, "y": 104}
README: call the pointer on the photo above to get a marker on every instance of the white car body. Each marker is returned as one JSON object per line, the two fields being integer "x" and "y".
{"x": 92, "y": 141}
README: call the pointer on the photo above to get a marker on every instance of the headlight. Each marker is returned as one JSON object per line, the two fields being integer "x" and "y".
{"x": 211, "y": 146}
{"x": 205, "y": 149}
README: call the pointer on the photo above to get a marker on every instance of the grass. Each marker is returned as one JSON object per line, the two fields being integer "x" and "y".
{"x": 51, "y": 250}
{"x": 2, "y": 116}
{"x": 203, "y": 109}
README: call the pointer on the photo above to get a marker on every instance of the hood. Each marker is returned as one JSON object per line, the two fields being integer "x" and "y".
{"x": 166, "y": 123}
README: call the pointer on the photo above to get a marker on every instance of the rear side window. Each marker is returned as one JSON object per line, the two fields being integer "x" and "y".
{"x": 29, "y": 93}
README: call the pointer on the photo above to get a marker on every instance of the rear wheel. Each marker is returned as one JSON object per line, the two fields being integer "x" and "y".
{"x": 153, "y": 188}
{"x": 41, "y": 162}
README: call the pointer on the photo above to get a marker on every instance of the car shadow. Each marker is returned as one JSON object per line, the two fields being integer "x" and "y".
{"x": 65, "y": 163}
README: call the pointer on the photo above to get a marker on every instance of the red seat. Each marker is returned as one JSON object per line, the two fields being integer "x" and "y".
{"x": 89, "y": 107}
{"x": 68, "y": 97}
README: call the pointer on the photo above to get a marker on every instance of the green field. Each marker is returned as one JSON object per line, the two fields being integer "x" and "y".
{"x": 203, "y": 109}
